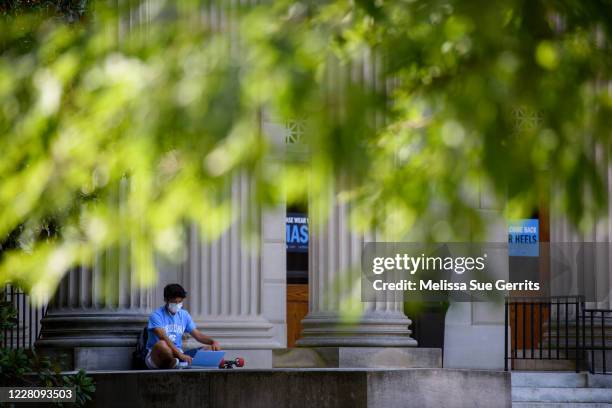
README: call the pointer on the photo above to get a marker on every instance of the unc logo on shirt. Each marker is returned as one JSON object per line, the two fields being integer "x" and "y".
{"x": 174, "y": 331}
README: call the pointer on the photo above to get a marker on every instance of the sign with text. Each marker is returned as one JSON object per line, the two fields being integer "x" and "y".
{"x": 524, "y": 238}
{"x": 296, "y": 230}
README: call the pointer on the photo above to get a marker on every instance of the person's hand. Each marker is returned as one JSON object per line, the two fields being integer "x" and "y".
{"x": 185, "y": 357}
{"x": 215, "y": 346}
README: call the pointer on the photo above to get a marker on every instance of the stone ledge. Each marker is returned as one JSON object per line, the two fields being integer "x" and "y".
{"x": 352, "y": 388}
{"x": 357, "y": 357}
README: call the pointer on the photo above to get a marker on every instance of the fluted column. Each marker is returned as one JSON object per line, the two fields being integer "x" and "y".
{"x": 236, "y": 287}
{"x": 336, "y": 315}
{"x": 580, "y": 265}
{"x": 587, "y": 254}
{"x": 99, "y": 308}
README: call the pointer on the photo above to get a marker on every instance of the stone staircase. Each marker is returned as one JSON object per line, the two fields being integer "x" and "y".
{"x": 561, "y": 390}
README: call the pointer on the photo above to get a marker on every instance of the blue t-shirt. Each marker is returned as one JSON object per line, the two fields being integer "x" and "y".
{"x": 174, "y": 325}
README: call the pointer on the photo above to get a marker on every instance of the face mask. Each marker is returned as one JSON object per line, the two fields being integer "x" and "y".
{"x": 174, "y": 307}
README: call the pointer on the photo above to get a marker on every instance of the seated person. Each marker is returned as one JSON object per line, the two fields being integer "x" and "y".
{"x": 166, "y": 327}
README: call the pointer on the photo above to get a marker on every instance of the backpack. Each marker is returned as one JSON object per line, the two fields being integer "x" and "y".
{"x": 140, "y": 353}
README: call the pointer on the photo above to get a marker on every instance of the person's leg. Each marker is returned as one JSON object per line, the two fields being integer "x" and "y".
{"x": 162, "y": 357}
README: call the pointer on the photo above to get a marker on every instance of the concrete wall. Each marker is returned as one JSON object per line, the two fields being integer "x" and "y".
{"x": 418, "y": 388}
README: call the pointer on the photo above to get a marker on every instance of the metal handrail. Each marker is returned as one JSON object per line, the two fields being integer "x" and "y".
{"x": 541, "y": 310}
{"x": 586, "y": 327}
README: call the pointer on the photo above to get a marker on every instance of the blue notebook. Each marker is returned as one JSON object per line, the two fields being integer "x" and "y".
{"x": 205, "y": 358}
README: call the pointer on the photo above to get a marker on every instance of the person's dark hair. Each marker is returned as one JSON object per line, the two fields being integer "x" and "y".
{"x": 174, "y": 290}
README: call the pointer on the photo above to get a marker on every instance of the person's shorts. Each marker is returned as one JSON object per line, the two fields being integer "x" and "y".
{"x": 149, "y": 362}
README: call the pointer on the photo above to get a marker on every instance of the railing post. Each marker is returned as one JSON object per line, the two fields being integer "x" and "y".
{"x": 13, "y": 328}
{"x": 541, "y": 331}
{"x": 531, "y": 326}
{"x": 558, "y": 328}
{"x": 524, "y": 312}
{"x": 549, "y": 329}
{"x": 577, "y": 345}
{"x": 515, "y": 351}
{"x": 583, "y": 345}
{"x": 592, "y": 344}
{"x": 506, "y": 335}
{"x": 5, "y": 334}
{"x": 567, "y": 328}
{"x": 603, "y": 342}
{"x": 23, "y": 318}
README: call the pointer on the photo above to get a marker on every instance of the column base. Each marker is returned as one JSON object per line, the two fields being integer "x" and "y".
{"x": 374, "y": 329}
{"x": 90, "y": 340}
{"x": 357, "y": 357}
{"x": 253, "y": 333}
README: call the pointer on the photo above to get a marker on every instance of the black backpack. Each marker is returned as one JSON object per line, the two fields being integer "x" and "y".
{"x": 139, "y": 355}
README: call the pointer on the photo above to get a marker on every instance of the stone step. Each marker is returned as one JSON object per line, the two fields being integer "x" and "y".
{"x": 561, "y": 405}
{"x": 545, "y": 365}
{"x": 561, "y": 395}
{"x": 549, "y": 380}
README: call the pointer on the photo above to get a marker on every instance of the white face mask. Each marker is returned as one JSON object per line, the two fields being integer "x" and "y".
{"x": 175, "y": 307}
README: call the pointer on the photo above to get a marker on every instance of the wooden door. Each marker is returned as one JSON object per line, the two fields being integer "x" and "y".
{"x": 297, "y": 308}
{"x": 527, "y": 320}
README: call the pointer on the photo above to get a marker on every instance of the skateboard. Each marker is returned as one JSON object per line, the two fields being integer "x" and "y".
{"x": 228, "y": 364}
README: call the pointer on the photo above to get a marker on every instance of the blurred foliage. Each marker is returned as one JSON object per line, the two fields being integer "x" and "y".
{"x": 8, "y": 315}
{"x": 67, "y": 10}
{"x": 20, "y": 367}
{"x": 118, "y": 125}
{"x": 25, "y": 368}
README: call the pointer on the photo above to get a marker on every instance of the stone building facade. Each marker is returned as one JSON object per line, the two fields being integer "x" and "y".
{"x": 237, "y": 294}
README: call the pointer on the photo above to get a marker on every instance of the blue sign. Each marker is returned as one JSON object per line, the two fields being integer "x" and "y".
{"x": 296, "y": 229}
{"x": 524, "y": 237}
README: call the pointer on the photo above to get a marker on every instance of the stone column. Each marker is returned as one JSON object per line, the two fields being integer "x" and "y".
{"x": 586, "y": 253}
{"x": 335, "y": 291}
{"x": 340, "y": 330}
{"x": 236, "y": 289}
{"x": 97, "y": 312}
{"x": 580, "y": 265}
